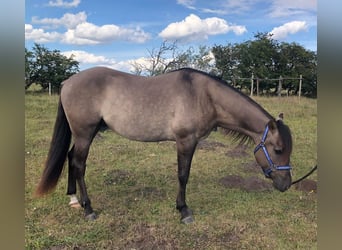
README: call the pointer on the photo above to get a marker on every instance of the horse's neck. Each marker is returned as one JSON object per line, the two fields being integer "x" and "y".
{"x": 236, "y": 112}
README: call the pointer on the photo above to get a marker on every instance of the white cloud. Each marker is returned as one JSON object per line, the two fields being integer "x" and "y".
{"x": 69, "y": 37}
{"x": 39, "y": 35}
{"x": 221, "y": 7}
{"x": 87, "y": 58}
{"x": 239, "y": 6}
{"x": 281, "y": 8}
{"x": 110, "y": 33}
{"x": 214, "y": 11}
{"x": 193, "y": 28}
{"x": 293, "y": 27}
{"x": 68, "y": 20}
{"x": 187, "y": 3}
{"x": 81, "y": 32}
{"x": 64, "y": 4}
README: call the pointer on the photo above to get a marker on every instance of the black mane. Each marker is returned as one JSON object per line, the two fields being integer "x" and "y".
{"x": 225, "y": 83}
{"x": 237, "y": 136}
{"x": 285, "y": 135}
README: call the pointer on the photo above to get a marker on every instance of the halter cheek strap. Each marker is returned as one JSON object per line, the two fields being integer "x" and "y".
{"x": 272, "y": 166}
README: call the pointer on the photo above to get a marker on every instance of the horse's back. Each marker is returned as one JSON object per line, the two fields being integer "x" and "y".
{"x": 140, "y": 108}
{"x": 97, "y": 77}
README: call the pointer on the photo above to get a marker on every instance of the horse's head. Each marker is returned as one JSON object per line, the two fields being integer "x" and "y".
{"x": 273, "y": 154}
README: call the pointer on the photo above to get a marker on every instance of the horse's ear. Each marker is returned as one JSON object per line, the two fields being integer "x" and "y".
{"x": 272, "y": 125}
{"x": 280, "y": 116}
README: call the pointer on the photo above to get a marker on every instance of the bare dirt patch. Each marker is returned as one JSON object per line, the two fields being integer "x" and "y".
{"x": 249, "y": 184}
{"x": 147, "y": 237}
{"x": 232, "y": 181}
{"x": 117, "y": 176}
{"x": 251, "y": 167}
{"x": 306, "y": 186}
{"x": 238, "y": 151}
{"x": 254, "y": 183}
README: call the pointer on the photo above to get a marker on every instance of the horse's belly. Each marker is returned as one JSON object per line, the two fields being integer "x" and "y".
{"x": 141, "y": 128}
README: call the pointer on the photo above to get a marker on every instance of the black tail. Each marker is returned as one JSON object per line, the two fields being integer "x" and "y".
{"x": 57, "y": 154}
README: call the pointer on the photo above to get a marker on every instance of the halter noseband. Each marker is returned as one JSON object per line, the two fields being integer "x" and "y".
{"x": 272, "y": 167}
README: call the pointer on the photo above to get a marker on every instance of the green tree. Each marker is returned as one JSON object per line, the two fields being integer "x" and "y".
{"x": 29, "y": 66}
{"x": 226, "y": 62}
{"x": 266, "y": 59}
{"x": 45, "y": 67}
{"x": 259, "y": 58}
{"x": 296, "y": 60}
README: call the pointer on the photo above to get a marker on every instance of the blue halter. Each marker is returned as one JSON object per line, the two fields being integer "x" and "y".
{"x": 272, "y": 167}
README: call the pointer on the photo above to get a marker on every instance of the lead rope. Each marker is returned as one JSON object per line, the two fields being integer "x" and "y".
{"x": 300, "y": 179}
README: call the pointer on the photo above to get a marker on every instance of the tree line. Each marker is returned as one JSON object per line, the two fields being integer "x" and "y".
{"x": 48, "y": 68}
{"x": 263, "y": 58}
{"x": 266, "y": 59}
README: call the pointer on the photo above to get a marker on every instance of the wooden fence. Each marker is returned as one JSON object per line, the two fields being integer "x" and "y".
{"x": 280, "y": 83}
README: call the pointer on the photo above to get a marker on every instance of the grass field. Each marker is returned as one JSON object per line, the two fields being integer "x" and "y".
{"x": 133, "y": 189}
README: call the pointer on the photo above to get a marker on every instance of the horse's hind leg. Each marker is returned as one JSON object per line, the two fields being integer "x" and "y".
{"x": 77, "y": 157}
{"x": 185, "y": 150}
{"x": 71, "y": 191}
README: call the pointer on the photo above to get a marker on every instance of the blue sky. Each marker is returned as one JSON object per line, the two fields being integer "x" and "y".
{"x": 116, "y": 33}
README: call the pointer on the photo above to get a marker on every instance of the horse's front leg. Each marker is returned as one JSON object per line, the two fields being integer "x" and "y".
{"x": 185, "y": 150}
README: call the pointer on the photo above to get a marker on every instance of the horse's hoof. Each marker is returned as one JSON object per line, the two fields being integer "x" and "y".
{"x": 91, "y": 217}
{"x": 187, "y": 220}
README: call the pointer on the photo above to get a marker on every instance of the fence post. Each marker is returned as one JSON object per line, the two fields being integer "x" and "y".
{"x": 300, "y": 85}
{"x": 49, "y": 88}
{"x": 279, "y": 85}
{"x": 252, "y": 81}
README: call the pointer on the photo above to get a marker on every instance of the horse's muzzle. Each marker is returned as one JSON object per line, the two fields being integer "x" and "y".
{"x": 281, "y": 182}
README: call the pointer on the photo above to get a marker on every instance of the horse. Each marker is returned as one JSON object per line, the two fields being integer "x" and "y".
{"x": 184, "y": 106}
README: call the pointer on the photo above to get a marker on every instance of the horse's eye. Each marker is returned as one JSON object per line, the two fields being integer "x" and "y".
{"x": 278, "y": 151}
